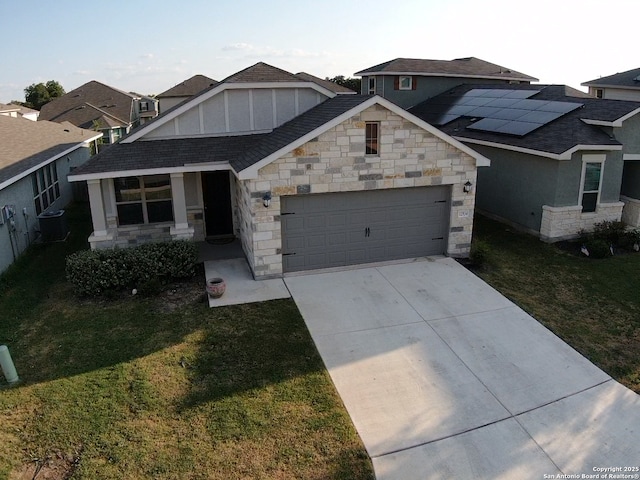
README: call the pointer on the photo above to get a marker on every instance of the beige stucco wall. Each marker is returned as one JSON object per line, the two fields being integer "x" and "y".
{"x": 335, "y": 162}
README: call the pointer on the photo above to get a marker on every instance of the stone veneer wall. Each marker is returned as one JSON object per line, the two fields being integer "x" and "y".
{"x": 631, "y": 211}
{"x": 133, "y": 235}
{"x": 563, "y": 223}
{"x": 335, "y": 162}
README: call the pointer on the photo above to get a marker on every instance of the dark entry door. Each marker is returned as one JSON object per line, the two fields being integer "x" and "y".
{"x": 216, "y": 190}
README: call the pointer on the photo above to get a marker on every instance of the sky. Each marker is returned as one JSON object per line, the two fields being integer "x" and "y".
{"x": 147, "y": 46}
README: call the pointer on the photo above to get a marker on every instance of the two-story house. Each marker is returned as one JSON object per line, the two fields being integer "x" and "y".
{"x": 409, "y": 81}
{"x": 102, "y": 108}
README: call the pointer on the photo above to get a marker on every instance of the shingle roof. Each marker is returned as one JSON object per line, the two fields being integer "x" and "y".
{"x": 468, "y": 67}
{"x": 189, "y": 87}
{"x": 240, "y": 151}
{"x": 555, "y": 137}
{"x": 334, "y": 87}
{"x": 261, "y": 72}
{"x": 25, "y": 144}
{"x": 89, "y": 102}
{"x": 630, "y": 78}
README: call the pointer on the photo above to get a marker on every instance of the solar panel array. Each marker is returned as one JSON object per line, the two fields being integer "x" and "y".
{"x": 505, "y": 111}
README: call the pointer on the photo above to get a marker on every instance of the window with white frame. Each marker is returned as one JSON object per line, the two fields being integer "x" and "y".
{"x": 405, "y": 83}
{"x": 599, "y": 92}
{"x": 144, "y": 106}
{"x": 372, "y": 85}
{"x": 591, "y": 182}
{"x": 46, "y": 188}
{"x": 142, "y": 200}
{"x": 372, "y": 138}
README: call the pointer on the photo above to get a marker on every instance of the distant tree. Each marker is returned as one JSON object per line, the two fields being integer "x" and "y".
{"x": 37, "y": 94}
{"x": 352, "y": 83}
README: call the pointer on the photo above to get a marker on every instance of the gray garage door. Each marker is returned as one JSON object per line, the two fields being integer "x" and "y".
{"x": 336, "y": 229}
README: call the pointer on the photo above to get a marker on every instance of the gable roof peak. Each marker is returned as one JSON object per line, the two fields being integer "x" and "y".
{"x": 261, "y": 72}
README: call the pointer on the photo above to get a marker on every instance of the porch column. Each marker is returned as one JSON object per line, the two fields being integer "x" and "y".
{"x": 181, "y": 229}
{"x": 97, "y": 208}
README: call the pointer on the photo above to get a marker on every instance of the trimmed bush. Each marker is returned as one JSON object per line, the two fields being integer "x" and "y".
{"x": 612, "y": 233}
{"x": 94, "y": 272}
{"x": 597, "y": 247}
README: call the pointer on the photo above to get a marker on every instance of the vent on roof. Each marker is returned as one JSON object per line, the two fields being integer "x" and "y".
{"x": 80, "y": 107}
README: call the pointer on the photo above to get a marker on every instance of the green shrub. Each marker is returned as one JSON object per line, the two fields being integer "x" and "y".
{"x": 94, "y": 272}
{"x": 597, "y": 248}
{"x": 479, "y": 252}
{"x": 612, "y": 233}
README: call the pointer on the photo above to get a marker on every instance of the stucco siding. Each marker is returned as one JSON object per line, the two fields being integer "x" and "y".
{"x": 621, "y": 94}
{"x": 631, "y": 179}
{"x": 336, "y": 162}
{"x": 516, "y": 185}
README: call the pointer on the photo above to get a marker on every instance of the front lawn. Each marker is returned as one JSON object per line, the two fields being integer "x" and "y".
{"x": 594, "y": 305}
{"x": 162, "y": 387}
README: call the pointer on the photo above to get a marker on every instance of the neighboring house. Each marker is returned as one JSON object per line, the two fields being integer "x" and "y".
{"x": 305, "y": 178}
{"x": 409, "y": 81}
{"x": 35, "y": 159}
{"x": 561, "y": 160}
{"x": 621, "y": 86}
{"x": 334, "y": 87}
{"x": 99, "y": 107}
{"x": 187, "y": 89}
{"x": 13, "y": 110}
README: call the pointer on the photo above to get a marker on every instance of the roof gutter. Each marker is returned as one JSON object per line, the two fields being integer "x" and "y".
{"x": 452, "y": 75}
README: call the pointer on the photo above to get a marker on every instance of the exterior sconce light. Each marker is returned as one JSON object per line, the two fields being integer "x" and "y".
{"x": 467, "y": 187}
{"x": 266, "y": 199}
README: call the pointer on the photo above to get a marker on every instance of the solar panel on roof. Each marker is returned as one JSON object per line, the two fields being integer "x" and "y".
{"x": 507, "y": 111}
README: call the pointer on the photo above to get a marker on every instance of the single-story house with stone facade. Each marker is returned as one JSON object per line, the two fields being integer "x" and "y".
{"x": 561, "y": 160}
{"x": 305, "y": 177}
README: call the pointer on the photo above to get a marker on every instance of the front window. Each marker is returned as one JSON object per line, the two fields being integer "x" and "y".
{"x": 46, "y": 188}
{"x": 405, "y": 83}
{"x": 591, "y": 182}
{"x": 142, "y": 200}
{"x": 372, "y": 85}
{"x": 599, "y": 93}
{"x": 372, "y": 138}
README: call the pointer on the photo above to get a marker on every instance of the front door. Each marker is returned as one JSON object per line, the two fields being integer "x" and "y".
{"x": 216, "y": 190}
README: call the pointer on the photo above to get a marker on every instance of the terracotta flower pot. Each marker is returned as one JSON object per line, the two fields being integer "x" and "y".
{"x": 216, "y": 287}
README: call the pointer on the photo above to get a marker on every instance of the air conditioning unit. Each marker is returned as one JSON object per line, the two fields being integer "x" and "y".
{"x": 53, "y": 226}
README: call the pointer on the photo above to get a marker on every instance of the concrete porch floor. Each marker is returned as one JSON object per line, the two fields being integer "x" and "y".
{"x": 227, "y": 260}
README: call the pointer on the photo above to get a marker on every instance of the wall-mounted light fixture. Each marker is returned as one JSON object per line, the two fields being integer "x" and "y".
{"x": 467, "y": 187}
{"x": 266, "y": 199}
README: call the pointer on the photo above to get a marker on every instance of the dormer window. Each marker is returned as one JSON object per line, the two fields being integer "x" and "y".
{"x": 405, "y": 83}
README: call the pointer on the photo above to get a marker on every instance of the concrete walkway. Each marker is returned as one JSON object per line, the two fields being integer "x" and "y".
{"x": 445, "y": 378}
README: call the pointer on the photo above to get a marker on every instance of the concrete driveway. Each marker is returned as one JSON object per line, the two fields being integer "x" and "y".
{"x": 444, "y": 377}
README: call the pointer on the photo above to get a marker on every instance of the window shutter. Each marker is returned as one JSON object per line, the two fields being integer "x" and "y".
{"x": 396, "y": 83}
{"x": 414, "y": 82}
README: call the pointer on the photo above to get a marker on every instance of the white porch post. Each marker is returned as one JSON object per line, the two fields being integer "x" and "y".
{"x": 181, "y": 229}
{"x": 100, "y": 238}
{"x": 97, "y": 208}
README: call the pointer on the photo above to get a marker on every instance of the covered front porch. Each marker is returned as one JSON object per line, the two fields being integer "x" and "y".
{"x": 134, "y": 209}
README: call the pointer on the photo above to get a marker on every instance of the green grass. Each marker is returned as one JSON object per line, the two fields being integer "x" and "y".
{"x": 162, "y": 387}
{"x": 594, "y": 305}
